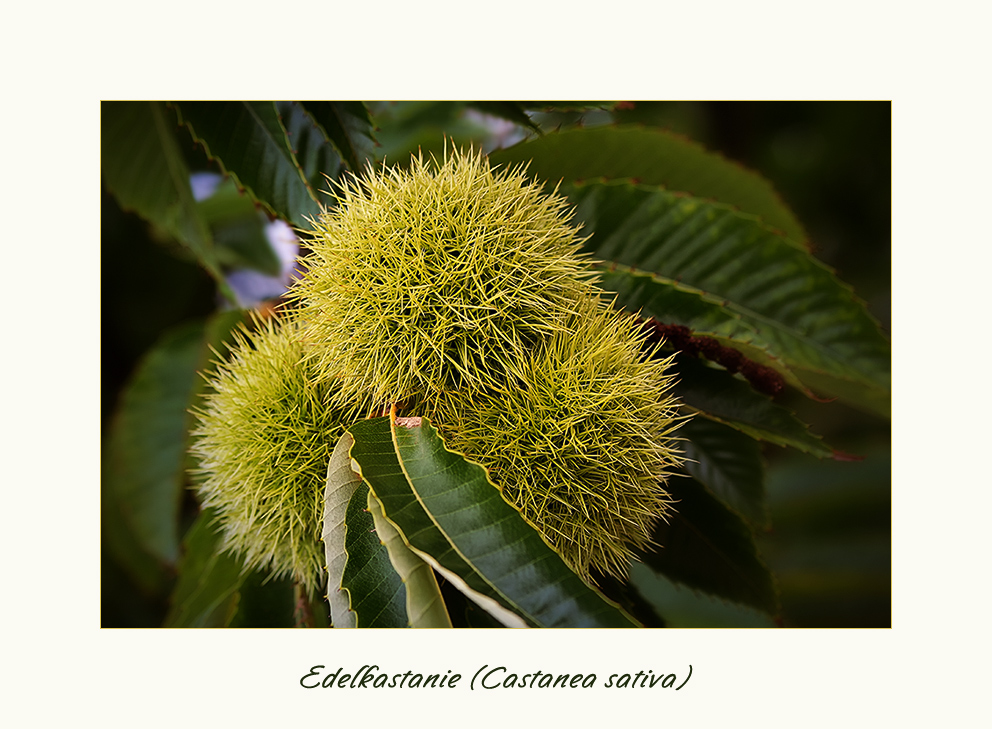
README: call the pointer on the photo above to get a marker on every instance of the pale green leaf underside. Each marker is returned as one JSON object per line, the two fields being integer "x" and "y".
{"x": 341, "y": 485}
{"x": 429, "y": 491}
{"x": 424, "y": 605}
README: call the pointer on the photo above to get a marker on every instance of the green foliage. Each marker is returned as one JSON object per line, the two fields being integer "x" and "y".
{"x": 376, "y": 591}
{"x": 709, "y": 548}
{"x": 702, "y": 313}
{"x": 238, "y": 230}
{"x": 374, "y": 580}
{"x": 250, "y": 143}
{"x": 145, "y": 453}
{"x": 424, "y": 604}
{"x": 206, "y": 595}
{"x": 319, "y": 161}
{"x": 509, "y": 110}
{"x": 215, "y": 590}
{"x": 718, "y": 395}
{"x": 652, "y": 157}
{"x": 429, "y": 540}
{"x": 348, "y": 126}
{"x": 728, "y": 463}
{"x": 447, "y": 509}
{"x": 794, "y": 307}
{"x": 462, "y": 293}
{"x": 143, "y": 166}
{"x": 145, "y": 456}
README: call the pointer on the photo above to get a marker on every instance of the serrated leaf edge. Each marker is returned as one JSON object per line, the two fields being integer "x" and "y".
{"x": 335, "y": 533}
{"x": 410, "y": 567}
{"x": 233, "y": 175}
{"x": 504, "y": 615}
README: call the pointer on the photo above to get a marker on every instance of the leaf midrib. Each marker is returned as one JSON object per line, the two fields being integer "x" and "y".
{"x": 745, "y": 311}
{"x": 454, "y": 547}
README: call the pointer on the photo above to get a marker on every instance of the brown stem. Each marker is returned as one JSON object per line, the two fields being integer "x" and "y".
{"x": 303, "y": 614}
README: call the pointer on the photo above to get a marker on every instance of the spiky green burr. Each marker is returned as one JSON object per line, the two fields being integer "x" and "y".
{"x": 579, "y": 437}
{"x": 432, "y": 279}
{"x": 458, "y": 291}
{"x": 263, "y": 439}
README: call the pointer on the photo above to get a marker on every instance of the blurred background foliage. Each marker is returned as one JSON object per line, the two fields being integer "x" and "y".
{"x": 829, "y": 542}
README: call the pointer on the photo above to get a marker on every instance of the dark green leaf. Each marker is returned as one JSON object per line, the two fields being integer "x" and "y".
{"x": 797, "y": 309}
{"x": 217, "y": 336}
{"x": 145, "y": 455}
{"x": 356, "y": 540}
{"x": 144, "y": 168}
{"x": 348, "y": 125}
{"x": 431, "y": 543}
{"x": 652, "y": 157}
{"x": 362, "y": 586}
{"x": 707, "y": 547}
{"x": 264, "y": 603}
{"x": 118, "y": 542}
{"x": 248, "y": 141}
{"x": 670, "y": 302}
{"x": 622, "y": 592}
{"x": 509, "y": 110}
{"x": 721, "y": 396}
{"x": 141, "y": 482}
{"x": 446, "y": 507}
{"x": 206, "y": 595}
{"x": 687, "y": 608}
{"x": 243, "y": 244}
{"x": 408, "y": 128}
{"x": 425, "y": 607}
{"x": 464, "y": 612}
{"x": 147, "y": 440}
{"x": 377, "y": 593}
{"x": 319, "y": 160}
{"x": 728, "y": 463}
